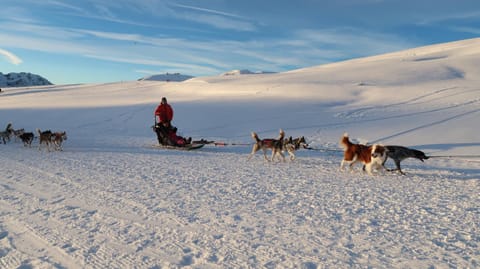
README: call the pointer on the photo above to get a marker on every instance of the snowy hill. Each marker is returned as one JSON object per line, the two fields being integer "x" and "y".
{"x": 243, "y": 72}
{"x": 22, "y": 80}
{"x": 167, "y": 77}
{"x": 112, "y": 200}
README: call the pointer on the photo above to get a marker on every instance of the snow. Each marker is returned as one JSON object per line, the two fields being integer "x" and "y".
{"x": 111, "y": 200}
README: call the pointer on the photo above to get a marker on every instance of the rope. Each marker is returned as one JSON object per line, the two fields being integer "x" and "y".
{"x": 324, "y": 149}
{"x": 220, "y": 143}
{"x": 454, "y": 156}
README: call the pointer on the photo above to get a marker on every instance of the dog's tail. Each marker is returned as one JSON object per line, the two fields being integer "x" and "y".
{"x": 39, "y": 132}
{"x": 281, "y": 135}
{"x": 255, "y": 137}
{"x": 344, "y": 141}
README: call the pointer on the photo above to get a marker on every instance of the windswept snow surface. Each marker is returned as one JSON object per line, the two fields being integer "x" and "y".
{"x": 111, "y": 200}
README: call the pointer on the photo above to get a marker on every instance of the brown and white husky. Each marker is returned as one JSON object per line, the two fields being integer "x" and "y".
{"x": 276, "y": 145}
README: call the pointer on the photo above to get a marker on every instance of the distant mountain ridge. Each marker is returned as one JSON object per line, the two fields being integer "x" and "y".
{"x": 168, "y": 77}
{"x": 22, "y": 79}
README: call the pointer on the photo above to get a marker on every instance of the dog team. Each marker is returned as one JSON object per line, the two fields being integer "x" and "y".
{"x": 50, "y": 140}
{"x": 373, "y": 157}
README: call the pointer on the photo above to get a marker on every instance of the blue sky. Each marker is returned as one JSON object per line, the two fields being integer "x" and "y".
{"x": 92, "y": 41}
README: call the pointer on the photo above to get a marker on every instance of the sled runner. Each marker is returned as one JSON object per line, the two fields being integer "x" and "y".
{"x": 186, "y": 147}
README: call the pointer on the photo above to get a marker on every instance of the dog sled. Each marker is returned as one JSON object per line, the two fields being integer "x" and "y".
{"x": 186, "y": 147}
{"x": 168, "y": 139}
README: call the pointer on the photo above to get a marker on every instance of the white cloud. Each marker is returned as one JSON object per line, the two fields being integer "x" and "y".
{"x": 222, "y": 22}
{"x": 12, "y": 58}
{"x": 215, "y": 18}
{"x": 471, "y": 30}
{"x": 209, "y": 11}
{"x": 432, "y": 19}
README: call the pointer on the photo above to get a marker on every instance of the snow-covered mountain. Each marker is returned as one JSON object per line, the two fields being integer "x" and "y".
{"x": 22, "y": 79}
{"x": 177, "y": 77}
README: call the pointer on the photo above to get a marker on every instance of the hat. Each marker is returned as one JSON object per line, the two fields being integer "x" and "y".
{"x": 164, "y": 100}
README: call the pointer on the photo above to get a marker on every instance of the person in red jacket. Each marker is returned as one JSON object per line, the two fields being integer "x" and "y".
{"x": 164, "y": 112}
{"x": 167, "y": 134}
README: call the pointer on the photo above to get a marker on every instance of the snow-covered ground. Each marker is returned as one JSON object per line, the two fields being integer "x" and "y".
{"x": 110, "y": 200}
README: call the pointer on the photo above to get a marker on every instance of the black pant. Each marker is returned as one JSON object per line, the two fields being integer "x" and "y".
{"x": 163, "y": 134}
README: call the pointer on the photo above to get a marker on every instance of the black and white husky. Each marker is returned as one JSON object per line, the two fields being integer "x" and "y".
{"x": 291, "y": 145}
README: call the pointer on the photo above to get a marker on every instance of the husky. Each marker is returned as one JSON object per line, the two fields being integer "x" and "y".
{"x": 399, "y": 153}
{"x": 276, "y": 145}
{"x": 27, "y": 138}
{"x": 17, "y": 133}
{"x": 44, "y": 137}
{"x": 291, "y": 145}
{"x": 5, "y": 135}
{"x": 58, "y": 138}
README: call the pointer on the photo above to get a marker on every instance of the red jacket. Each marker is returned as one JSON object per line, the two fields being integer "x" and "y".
{"x": 164, "y": 112}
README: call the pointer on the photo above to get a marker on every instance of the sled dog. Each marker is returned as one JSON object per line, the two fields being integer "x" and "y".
{"x": 276, "y": 145}
{"x": 372, "y": 156}
{"x": 292, "y": 145}
{"x": 400, "y": 153}
{"x": 5, "y": 135}
{"x": 44, "y": 137}
{"x": 17, "y": 133}
{"x": 27, "y": 139}
{"x": 58, "y": 138}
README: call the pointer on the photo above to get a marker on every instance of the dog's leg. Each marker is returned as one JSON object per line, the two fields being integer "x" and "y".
{"x": 342, "y": 164}
{"x": 281, "y": 155}
{"x": 397, "y": 163}
{"x": 349, "y": 163}
{"x": 368, "y": 168}
{"x": 292, "y": 155}
{"x": 387, "y": 169}
{"x": 380, "y": 168}
{"x": 350, "y": 166}
{"x": 58, "y": 146}
{"x": 265, "y": 155}
{"x": 254, "y": 150}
